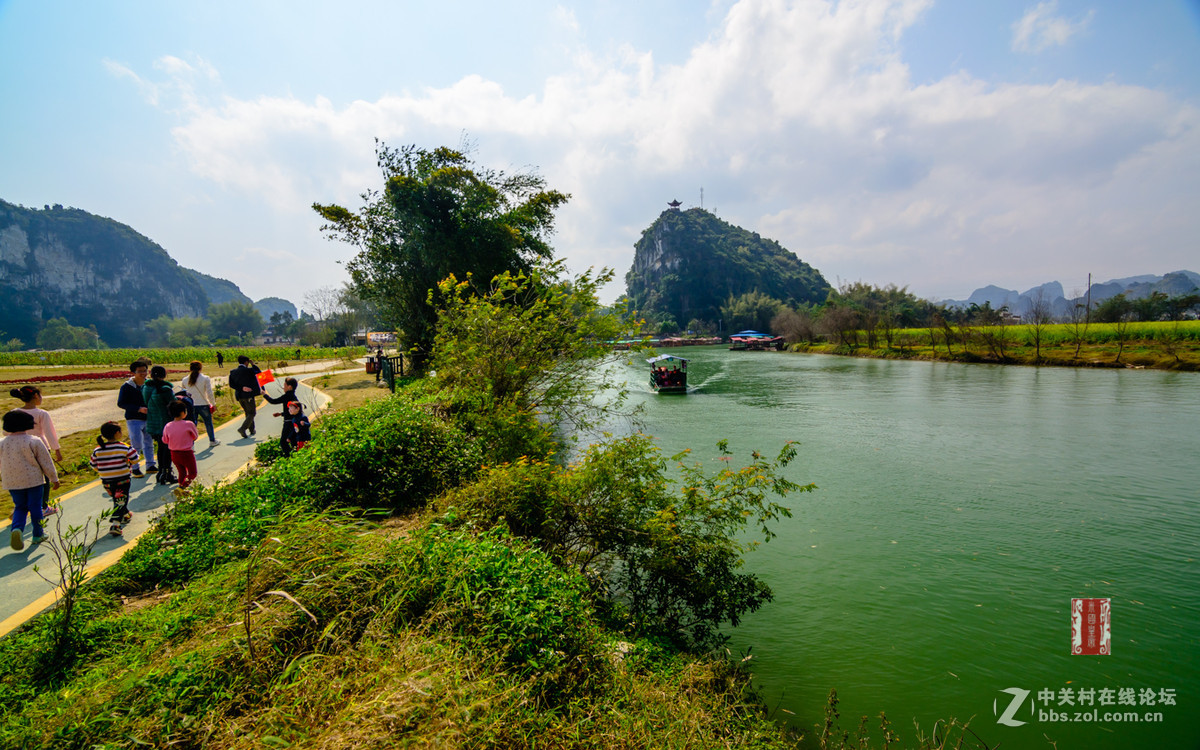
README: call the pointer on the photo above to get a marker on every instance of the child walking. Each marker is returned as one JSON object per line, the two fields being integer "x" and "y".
{"x": 180, "y": 435}
{"x": 114, "y": 461}
{"x": 43, "y": 427}
{"x": 25, "y": 465}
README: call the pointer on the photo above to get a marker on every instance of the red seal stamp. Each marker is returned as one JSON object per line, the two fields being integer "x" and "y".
{"x": 1091, "y": 634}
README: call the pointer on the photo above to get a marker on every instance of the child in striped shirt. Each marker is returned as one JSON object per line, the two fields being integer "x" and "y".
{"x": 114, "y": 461}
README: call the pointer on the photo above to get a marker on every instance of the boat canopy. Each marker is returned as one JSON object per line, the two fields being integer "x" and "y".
{"x": 666, "y": 358}
{"x": 752, "y": 333}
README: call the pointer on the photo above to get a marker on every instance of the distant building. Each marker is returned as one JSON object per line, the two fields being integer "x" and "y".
{"x": 674, "y": 205}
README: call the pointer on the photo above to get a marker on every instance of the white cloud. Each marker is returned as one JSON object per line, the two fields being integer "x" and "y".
{"x": 801, "y": 121}
{"x": 1040, "y": 29}
{"x": 148, "y": 90}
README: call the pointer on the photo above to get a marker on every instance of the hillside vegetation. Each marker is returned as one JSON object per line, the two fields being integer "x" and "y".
{"x": 688, "y": 264}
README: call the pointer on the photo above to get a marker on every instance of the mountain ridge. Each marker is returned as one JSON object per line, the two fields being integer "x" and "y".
{"x": 58, "y": 262}
{"x": 1173, "y": 284}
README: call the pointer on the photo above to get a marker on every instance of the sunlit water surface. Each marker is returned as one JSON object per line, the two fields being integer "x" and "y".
{"x": 960, "y": 509}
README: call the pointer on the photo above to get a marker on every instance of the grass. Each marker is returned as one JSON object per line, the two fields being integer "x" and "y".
{"x": 1153, "y": 345}
{"x": 177, "y": 670}
{"x": 350, "y": 389}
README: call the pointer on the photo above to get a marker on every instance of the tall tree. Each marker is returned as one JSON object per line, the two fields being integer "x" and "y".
{"x": 751, "y": 310}
{"x": 526, "y": 356}
{"x": 235, "y": 318}
{"x": 59, "y": 334}
{"x": 1041, "y": 314}
{"x": 439, "y": 214}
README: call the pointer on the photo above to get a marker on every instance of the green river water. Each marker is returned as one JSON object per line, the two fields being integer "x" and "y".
{"x": 960, "y": 509}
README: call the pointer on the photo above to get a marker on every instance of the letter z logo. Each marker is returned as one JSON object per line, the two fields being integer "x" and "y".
{"x": 1006, "y": 718}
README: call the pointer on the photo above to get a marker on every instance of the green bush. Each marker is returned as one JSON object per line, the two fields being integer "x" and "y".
{"x": 386, "y": 456}
{"x": 505, "y": 596}
{"x": 268, "y": 452}
{"x": 663, "y": 560}
{"x": 523, "y": 496}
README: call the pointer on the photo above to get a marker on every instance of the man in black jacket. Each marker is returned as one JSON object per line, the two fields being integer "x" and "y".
{"x": 243, "y": 379}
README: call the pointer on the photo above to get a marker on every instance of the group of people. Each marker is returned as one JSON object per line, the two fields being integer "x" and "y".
{"x": 671, "y": 377}
{"x": 162, "y": 425}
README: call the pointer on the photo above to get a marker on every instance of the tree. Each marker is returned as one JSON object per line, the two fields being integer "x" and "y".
{"x": 439, "y": 214}
{"x": 1153, "y": 307}
{"x": 840, "y": 322}
{"x": 158, "y": 330}
{"x": 752, "y": 310}
{"x": 1115, "y": 309}
{"x": 188, "y": 331}
{"x": 1041, "y": 314}
{"x": 793, "y": 325}
{"x": 235, "y": 318}
{"x": 57, "y": 333}
{"x": 525, "y": 356}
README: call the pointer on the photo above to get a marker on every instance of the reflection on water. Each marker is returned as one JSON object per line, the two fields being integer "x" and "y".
{"x": 960, "y": 508}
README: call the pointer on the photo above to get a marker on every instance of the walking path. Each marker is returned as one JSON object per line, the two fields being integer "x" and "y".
{"x": 23, "y": 593}
{"x": 101, "y": 406}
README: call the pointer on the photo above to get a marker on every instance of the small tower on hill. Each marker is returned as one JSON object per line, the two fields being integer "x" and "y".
{"x": 674, "y": 205}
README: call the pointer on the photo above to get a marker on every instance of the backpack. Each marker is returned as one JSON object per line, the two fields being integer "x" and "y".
{"x": 186, "y": 398}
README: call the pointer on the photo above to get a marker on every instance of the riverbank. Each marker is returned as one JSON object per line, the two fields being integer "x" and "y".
{"x": 270, "y": 612}
{"x": 1157, "y": 346}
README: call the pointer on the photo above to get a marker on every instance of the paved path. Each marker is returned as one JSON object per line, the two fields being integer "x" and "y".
{"x": 23, "y": 593}
{"x": 101, "y": 406}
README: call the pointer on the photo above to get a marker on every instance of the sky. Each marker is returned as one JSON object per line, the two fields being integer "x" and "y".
{"x": 938, "y": 146}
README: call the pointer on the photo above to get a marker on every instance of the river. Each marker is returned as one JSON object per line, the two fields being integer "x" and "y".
{"x": 960, "y": 509}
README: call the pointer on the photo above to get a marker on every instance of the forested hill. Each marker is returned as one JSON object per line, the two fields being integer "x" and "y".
{"x": 689, "y": 263}
{"x": 61, "y": 262}
{"x": 219, "y": 291}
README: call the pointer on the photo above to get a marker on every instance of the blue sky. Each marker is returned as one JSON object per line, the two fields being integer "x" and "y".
{"x": 936, "y": 145}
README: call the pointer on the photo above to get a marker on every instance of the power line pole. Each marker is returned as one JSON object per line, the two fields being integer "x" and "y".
{"x": 1088, "y": 319}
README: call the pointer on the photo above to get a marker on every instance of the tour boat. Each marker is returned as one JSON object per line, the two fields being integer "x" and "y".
{"x": 753, "y": 341}
{"x": 668, "y": 374}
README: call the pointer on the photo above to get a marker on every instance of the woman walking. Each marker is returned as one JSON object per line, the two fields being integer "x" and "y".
{"x": 43, "y": 428}
{"x": 25, "y": 465}
{"x": 199, "y": 387}
{"x": 158, "y": 396}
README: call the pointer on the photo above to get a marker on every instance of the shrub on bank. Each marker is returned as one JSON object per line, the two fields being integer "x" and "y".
{"x": 663, "y": 558}
{"x": 388, "y": 455}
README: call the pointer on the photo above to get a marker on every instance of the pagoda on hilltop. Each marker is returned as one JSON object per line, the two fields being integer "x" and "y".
{"x": 674, "y": 205}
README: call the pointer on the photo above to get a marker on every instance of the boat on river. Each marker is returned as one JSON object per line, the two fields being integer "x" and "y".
{"x": 754, "y": 341}
{"x": 668, "y": 374}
